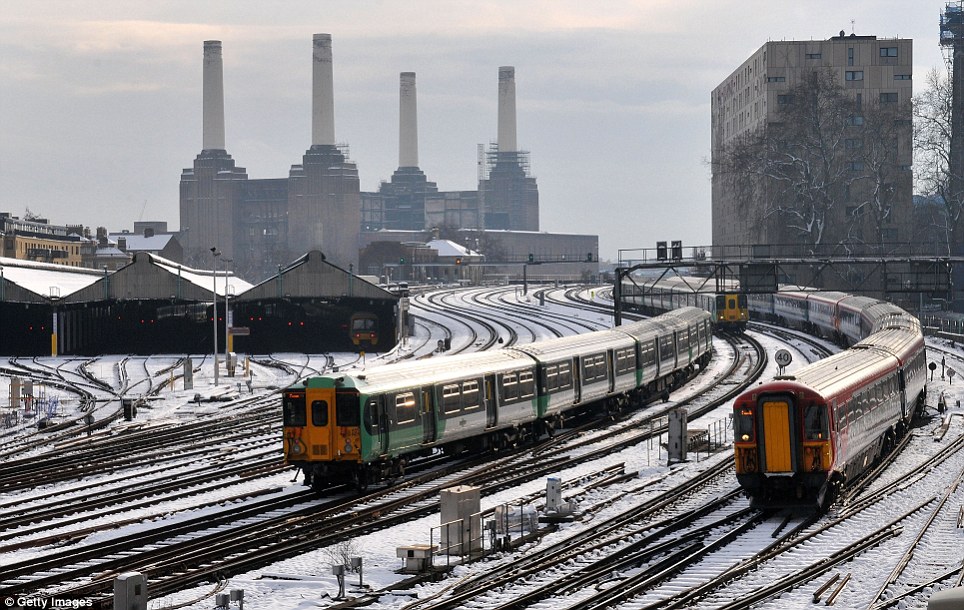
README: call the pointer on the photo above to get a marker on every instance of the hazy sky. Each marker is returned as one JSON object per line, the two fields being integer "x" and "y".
{"x": 100, "y": 101}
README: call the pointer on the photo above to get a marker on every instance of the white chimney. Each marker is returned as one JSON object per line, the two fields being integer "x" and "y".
{"x": 407, "y": 122}
{"x": 213, "y": 96}
{"x": 322, "y": 92}
{"x": 507, "y": 109}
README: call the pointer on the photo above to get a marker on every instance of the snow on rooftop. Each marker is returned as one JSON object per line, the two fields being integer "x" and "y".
{"x": 47, "y": 279}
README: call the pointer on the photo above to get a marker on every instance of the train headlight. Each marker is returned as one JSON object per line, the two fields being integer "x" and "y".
{"x": 295, "y": 448}
{"x": 347, "y": 446}
{"x": 745, "y": 438}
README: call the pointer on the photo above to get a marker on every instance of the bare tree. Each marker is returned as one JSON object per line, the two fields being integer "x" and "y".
{"x": 823, "y": 167}
{"x": 935, "y": 178}
{"x": 876, "y": 160}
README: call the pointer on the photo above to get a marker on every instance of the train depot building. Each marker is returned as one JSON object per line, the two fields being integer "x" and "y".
{"x": 155, "y": 306}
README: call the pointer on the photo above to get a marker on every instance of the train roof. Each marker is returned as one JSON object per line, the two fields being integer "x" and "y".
{"x": 827, "y": 296}
{"x": 840, "y": 373}
{"x": 858, "y": 302}
{"x": 439, "y": 369}
{"x": 567, "y": 347}
{"x": 644, "y": 330}
{"x": 899, "y": 342}
{"x": 701, "y": 285}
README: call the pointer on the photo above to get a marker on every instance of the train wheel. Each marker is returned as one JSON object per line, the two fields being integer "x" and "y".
{"x": 360, "y": 480}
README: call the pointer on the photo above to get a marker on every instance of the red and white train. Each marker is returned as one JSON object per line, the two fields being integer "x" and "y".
{"x": 801, "y": 437}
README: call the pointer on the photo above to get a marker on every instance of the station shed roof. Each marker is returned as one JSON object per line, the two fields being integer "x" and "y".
{"x": 311, "y": 276}
{"x": 150, "y": 277}
{"x": 23, "y": 281}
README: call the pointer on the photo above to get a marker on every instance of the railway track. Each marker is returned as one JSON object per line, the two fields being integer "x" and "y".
{"x": 260, "y": 535}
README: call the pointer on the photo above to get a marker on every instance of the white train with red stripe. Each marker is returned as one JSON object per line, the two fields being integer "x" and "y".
{"x": 802, "y": 437}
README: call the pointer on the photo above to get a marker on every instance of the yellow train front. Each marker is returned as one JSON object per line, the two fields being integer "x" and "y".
{"x": 363, "y": 330}
{"x": 731, "y": 312}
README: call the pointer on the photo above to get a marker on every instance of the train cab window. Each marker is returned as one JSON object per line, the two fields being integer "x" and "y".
{"x": 319, "y": 412}
{"x": 743, "y": 425}
{"x": 363, "y": 323}
{"x": 346, "y": 409}
{"x": 742, "y": 300}
{"x": 294, "y": 410}
{"x": 815, "y": 424}
{"x": 405, "y": 408}
{"x": 731, "y": 303}
{"x": 720, "y": 302}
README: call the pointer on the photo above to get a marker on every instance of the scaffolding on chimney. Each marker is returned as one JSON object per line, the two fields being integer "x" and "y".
{"x": 493, "y": 157}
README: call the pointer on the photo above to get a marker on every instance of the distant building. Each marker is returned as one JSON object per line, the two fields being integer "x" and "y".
{"x": 152, "y": 238}
{"x": 873, "y": 70}
{"x": 35, "y": 239}
{"x": 259, "y": 225}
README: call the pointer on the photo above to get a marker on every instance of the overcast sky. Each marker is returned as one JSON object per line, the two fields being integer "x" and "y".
{"x": 100, "y": 101}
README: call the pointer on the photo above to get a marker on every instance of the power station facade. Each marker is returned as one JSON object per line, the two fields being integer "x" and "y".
{"x": 261, "y": 224}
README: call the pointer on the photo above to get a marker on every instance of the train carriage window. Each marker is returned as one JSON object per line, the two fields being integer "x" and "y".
{"x": 594, "y": 368}
{"x": 815, "y": 424}
{"x": 649, "y": 353}
{"x": 470, "y": 395}
{"x": 552, "y": 377}
{"x": 451, "y": 399}
{"x": 319, "y": 412}
{"x": 527, "y": 385}
{"x": 565, "y": 375}
{"x": 346, "y": 409}
{"x": 294, "y": 410}
{"x": 625, "y": 361}
{"x": 743, "y": 425}
{"x": 666, "y": 347}
{"x": 405, "y": 410}
{"x": 510, "y": 388}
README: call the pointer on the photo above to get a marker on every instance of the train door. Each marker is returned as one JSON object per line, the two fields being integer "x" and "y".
{"x": 318, "y": 435}
{"x": 488, "y": 399}
{"x": 777, "y": 444}
{"x": 611, "y": 370}
{"x": 576, "y": 380}
{"x": 429, "y": 428}
{"x": 376, "y": 422}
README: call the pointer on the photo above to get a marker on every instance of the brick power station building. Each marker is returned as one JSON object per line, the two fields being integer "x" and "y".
{"x": 261, "y": 224}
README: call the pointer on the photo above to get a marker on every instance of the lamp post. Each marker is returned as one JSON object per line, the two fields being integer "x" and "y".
{"x": 214, "y": 317}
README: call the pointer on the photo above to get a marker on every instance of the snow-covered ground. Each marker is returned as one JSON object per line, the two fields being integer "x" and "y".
{"x": 307, "y": 581}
